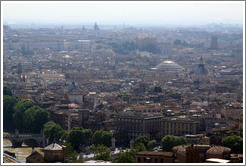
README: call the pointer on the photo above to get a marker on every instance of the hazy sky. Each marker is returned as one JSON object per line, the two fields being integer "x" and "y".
{"x": 123, "y": 12}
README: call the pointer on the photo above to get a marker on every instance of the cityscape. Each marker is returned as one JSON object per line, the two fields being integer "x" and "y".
{"x": 110, "y": 89}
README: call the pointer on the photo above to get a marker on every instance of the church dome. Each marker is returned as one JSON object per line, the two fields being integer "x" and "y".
{"x": 201, "y": 70}
{"x": 72, "y": 86}
{"x": 169, "y": 66}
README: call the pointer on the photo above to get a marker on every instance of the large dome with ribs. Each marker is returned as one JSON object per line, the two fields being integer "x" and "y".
{"x": 169, "y": 66}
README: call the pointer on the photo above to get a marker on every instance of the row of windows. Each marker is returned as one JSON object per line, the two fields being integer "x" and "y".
{"x": 169, "y": 130}
{"x": 134, "y": 134}
{"x": 154, "y": 120}
{"x": 182, "y": 123}
{"x": 180, "y": 127}
{"x": 172, "y": 129}
{"x": 139, "y": 120}
{"x": 138, "y": 126}
{"x": 129, "y": 120}
{"x": 178, "y": 132}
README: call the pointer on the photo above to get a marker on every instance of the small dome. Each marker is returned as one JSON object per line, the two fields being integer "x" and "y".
{"x": 169, "y": 66}
{"x": 66, "y": 56}
{"x": 128, "y": 84}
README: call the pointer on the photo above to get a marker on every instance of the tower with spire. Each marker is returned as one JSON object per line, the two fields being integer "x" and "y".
{"x": 96, "y": 26}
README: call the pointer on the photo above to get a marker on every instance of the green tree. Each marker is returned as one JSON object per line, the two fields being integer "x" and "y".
{"x": 140, "y": 147}
{"x": 79, "y": 136}
{"x": 169, "y": 141}
{"x": 19, "y": 110}
{"x": 151, "y": 144}
{"x": 177, "y": 42}
{"x": 185, "y": 43}
{"x": 52, "y": 131}
{"x": 126, "y": 157}
{"x": 148, "y": 44}
{"x": 233, "y": 142}
{"x": 7, "y": 91}
{"x": 141, "y": 139}
{"x": 102, "y": 153}
{"x": 34, "y": 119}
{"x": 8, "y": 110}
{"x": 123, "y": 47}
{"x": 71, "y": 154}
{"x": 181, "y": 140}
{"x": 102, "y": 137}
{"x": 64, "y": 134}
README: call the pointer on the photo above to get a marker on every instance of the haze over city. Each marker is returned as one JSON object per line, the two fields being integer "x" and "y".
{"x": 129, "y": 13}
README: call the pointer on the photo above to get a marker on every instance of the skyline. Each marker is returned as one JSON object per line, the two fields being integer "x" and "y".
{"x": 156, "y": 13}
{"x": 154, "y": 82}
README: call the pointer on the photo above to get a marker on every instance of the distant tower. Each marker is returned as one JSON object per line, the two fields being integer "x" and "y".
{"x": 83, "y": 28}
{"x": 214, "y": 43}
{"x": 96, "y": 26}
